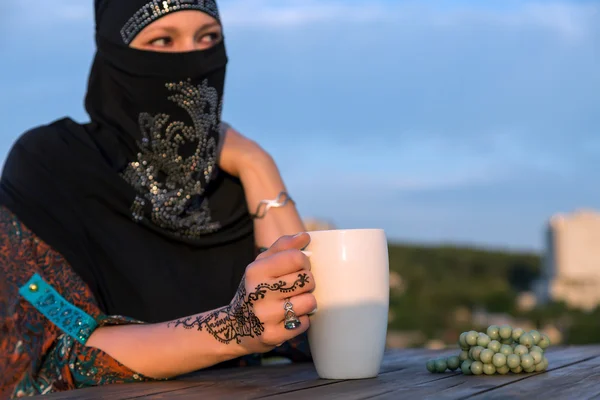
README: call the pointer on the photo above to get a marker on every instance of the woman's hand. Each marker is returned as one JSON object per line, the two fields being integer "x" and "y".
{"x": 280, "y": 273}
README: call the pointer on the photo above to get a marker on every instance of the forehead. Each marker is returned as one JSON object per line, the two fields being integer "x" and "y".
{"x": 156, "y": 9}
{"x": 126, "y": 18}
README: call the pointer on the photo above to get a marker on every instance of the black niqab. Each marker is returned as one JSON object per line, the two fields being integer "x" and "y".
{"x": 134, "y": 200}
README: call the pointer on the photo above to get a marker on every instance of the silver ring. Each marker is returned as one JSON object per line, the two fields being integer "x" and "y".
{"x": 290, "y": 320}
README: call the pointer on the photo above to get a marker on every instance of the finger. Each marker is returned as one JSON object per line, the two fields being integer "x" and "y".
{"x": 279, "y": 264}
{"x": 303, "y": 304}
{"x": 298, "y": 242}
{"x": 294, "y": 284}
{"x": 273, "y": 312}
{"x": 275, "y": 335}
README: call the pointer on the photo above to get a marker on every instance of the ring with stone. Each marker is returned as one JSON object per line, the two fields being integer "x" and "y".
{"x": 290, "y": 320}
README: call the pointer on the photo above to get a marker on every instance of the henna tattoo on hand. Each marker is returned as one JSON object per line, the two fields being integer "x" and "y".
{"x": 238, "y": 320}
{"x": 279, "y": 287}
{"x": 229, "y": 323}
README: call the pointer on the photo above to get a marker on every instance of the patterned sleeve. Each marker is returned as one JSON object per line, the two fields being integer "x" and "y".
{"x": 40, "y": 351}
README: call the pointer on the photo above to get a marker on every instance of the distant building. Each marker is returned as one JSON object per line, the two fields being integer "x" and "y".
{"x": 526, "y": 301}
{"x": 571, "y": 263}
{"x": 313, "y": 224}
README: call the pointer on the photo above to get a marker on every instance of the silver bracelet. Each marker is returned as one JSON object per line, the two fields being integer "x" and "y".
{"x": 265, "y": 205}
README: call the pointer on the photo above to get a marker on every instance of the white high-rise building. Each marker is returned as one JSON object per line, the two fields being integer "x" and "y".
{"x": 571, "y": 263}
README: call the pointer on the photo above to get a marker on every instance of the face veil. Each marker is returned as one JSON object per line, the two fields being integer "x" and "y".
{"x": 165, "y": 109}
{"x": 134, "y": 199}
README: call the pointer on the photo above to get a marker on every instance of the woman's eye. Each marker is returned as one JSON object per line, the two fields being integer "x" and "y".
{"x": 210, "y": 38}
{"x": 161, "y": 42}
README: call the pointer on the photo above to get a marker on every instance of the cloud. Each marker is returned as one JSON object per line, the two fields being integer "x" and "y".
{"x": 571, "y": 20}
{"x": 51, "y": 12}
{"x": 294, "y": 13}
{"x": 568, "y": 19}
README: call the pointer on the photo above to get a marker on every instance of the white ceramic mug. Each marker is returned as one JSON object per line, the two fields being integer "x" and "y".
{"x": 347, "y": 333}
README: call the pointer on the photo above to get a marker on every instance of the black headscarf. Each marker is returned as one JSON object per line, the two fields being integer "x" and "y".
{"x": 134, "y": 200}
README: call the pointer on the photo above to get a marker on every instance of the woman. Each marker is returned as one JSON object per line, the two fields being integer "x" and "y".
{"x": 128, "y": 244}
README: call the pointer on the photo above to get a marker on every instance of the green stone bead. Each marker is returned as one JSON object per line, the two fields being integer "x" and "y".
{"x": 537, "y": 357}
{"x": 537, "y": 348}
{"x": 526, "y": 340}
{"x": 441, "y": 364}
{"x": 466, "y": 367}
{"x": 544, "y": 342}
{"x": 516, "y": 334}
{"x": 483, "y": 340}
{"x": 529, "y": 370}
{"x": 546, "y": 363}
{"x": 520, "y": 350}
{"x": 516, "y": 370}
{"x": 462, "y": 341}
{"x": 505, "y": 331}
{"x": 503, "y": 370}
{"x": 464, "y": 355}
{"x": 489, "y": 369}
{"x": 471, "y": 338}
{"x": 493, "y": 331}
{"x": 453, "y": 363}
{"x": 476, "y": 352}
{"x": 506, "y": 350}
{"x": 536, "y": 337}
{"x": 486, "y": 356}
{"x": 494, "y": 346}
{"x": 513, "y": 361}
{"x": 540, "y": 367}
{"x": 527, "y": 361}
{"x": 499, "y": 360}
{"x": 430, "y": 366}
{"x": 476, "y": 368}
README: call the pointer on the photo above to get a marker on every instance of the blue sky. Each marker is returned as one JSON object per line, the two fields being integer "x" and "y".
{"x": 440, "y": 121}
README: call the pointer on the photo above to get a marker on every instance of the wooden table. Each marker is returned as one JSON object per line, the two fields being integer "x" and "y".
{"x": 574, "y": 373}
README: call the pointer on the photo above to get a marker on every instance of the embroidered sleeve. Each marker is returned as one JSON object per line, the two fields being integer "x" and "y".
{"x": 12, "y": 359}
{"x": 46, "y": 315}
{"x": 72, "y": 365}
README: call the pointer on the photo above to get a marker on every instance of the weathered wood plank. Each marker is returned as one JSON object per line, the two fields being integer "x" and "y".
{"x": 244, "y": 380}
{"x": 218, "y": 382}
{"x": 465, "y": 387}
{"x": 289, "y": 379}
{"x": 417, "y": 383}
{"x": 120, "y": 392}
{"x": 575, "y": 381}
{"x": 403, "y": 373}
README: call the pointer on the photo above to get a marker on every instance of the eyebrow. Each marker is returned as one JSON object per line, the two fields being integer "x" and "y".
{"x": 173, "y": 30}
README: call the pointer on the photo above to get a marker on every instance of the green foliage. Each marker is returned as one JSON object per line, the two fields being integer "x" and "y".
{"x": 578, "y": 326}
{"x": 439, "y": 280}
{"x": 585, "y": 328}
